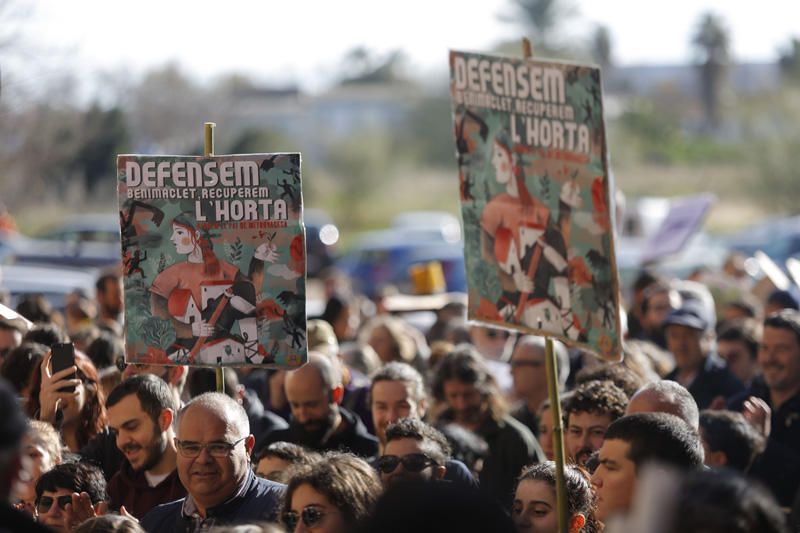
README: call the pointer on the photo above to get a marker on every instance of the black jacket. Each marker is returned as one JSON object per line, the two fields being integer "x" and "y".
{"x": 261, "y": 420}
{"x": 352, "y": 437}
{"x": 778, "y": 466}
{"x": 511, "y": 447}
{"x": 259, "y": 503}
{"x": 714, "y": 379}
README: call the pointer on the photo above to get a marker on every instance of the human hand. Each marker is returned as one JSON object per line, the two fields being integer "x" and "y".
{"x": 266, "y": 252}
{"x": 50, "y": 394}
{"x": 81, "y": 510}
{"x": 758, "y": 413}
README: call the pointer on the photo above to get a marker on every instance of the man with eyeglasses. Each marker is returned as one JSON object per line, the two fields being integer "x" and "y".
{"x": 530, "y": 379}
{"x": 55, "y": 490}
{"x": 414, "y": 451}
{"x": 214, "y": 445}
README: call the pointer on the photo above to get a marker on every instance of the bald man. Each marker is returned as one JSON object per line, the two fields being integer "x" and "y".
{"x": 213, "y": 461}
{"x": 666, "y": 397}
{"x": 318, "y": 421}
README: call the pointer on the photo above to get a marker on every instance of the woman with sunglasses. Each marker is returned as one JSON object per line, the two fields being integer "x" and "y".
{"x": 55, "y": 487}
{"x": 534, "y": 507}
{"x": 333, "y": 495}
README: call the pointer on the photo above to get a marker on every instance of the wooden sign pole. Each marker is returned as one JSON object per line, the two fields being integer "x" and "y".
{"x": 553, "y": 391}
{"x": 208, "y": 151}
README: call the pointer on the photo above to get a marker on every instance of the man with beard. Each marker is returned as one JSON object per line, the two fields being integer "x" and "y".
{"x": 464, "y": 384}
{"x": 587, "y": 414}
{"x": 140, "y": 412}
{"x": 318, "y": 421}
{"x": 772, "y": 405}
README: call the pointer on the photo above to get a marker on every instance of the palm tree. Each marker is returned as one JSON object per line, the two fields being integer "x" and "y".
{"x": 541, "y": 18}
{"x": 712, "y": 44}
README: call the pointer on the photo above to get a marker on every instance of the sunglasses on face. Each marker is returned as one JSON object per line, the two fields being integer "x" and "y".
{"x": 413, "y": 462}
{"x": 311, "y": 517}
{"x": 46, "y": 502}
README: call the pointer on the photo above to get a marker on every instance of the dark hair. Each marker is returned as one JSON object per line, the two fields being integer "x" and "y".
{"x": 466, "y": 365}
{"x": 598, "y": 397}
{"x": 34, "y": 307}
{"x": 348, "y": 482}
{"x": 745, "y": 330}
{"x": 289, "y": 452}
{"x": 644, "y": 279}
{"x": 46, "y": 334}
{"x": 21, "y": 362}
{"x": 784, "y": 299}
{"x": 102, "y": 281}
{"x": 336, "y": 304}
{"x": 725, "y": 502}
{"x": 785, "y": 319}
{"x": 580, "y": 495}
{"x": 75, "y": 477}
{"x": 657, "y": 287}
{"x": 732, "y": 434}
{"x": 109, "y": 523}
{"x": 658, "y": 437}
{"x": 93, "y": 416}
{"x": 105, "y": 350}
{"x": 746, "y": 307}
{"x": 153, "y": 393}
{"x": 403, "y": 372}
{"x": 432, "y": 441}
{"x": 202, "y": 380}
{"x": 617, "y": 373}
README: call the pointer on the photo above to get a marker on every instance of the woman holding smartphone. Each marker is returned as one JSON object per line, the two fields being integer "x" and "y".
{"x": 71, "y": 399}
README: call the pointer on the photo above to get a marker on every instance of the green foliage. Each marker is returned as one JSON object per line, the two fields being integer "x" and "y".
{"x": 234, "y": 250}
{"x": 104, "y": 134}
{"x": 659, "y": 139}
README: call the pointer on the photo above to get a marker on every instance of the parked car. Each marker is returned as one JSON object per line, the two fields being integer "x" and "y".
{"x": 90, "y": 240}
{"x": 384, "y": 257}
{"x": 321, "y": 238}
{"x": 777, "y": 237}
{"x": 54, "y": 283}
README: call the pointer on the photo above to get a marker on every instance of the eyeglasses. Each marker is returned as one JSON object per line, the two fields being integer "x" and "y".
{"x": 215, "y": 449}
{"x": 413, "y": 462}
{"x": 310, "y": 515}
{"x": 46, "y": 502}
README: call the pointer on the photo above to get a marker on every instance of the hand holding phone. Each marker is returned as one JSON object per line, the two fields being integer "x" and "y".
{"x": 59, "y": 384}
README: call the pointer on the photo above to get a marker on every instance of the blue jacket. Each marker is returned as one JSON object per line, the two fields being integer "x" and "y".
{"x": 259, "y": 502}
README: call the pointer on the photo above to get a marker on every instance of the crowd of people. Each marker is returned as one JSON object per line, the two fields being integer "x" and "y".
{"x": 393, "y": 427}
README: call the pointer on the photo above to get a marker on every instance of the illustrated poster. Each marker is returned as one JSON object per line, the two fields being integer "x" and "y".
{"x": 531, "y": 150}
{"x": 214, "y": 259}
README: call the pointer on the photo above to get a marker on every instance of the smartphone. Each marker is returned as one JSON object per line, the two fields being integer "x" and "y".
{"x": 64, "y": 357}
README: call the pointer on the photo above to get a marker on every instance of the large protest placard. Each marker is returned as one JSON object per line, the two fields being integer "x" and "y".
{"x": 531, "y": 149}
{"x": 214, "y": 259}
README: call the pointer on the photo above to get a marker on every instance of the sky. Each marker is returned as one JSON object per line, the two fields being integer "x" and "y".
{"x": 303, "y": 41}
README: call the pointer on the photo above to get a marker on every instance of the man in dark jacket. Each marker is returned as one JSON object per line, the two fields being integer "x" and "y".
{"x": 214, "y": 445}
{"x": 464, "y": 384}
{"x": 690, "y": 338}
{"x": 318, "y": 421}
{"x": 141, "y": 410}
{"x": 772, "y": 404}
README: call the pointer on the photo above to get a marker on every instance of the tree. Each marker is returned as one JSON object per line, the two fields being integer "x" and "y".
{"x": 104, "y": 134}
{"x": 712, "y": 45}
{"x": 541, "y": 19}
{"x": 602, "y": 46}
{"x": 789, "y": 60}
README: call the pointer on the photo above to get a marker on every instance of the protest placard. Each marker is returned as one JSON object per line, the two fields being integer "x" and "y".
{"x": 531, "y": 149}
{"x": 214, "y": 259}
